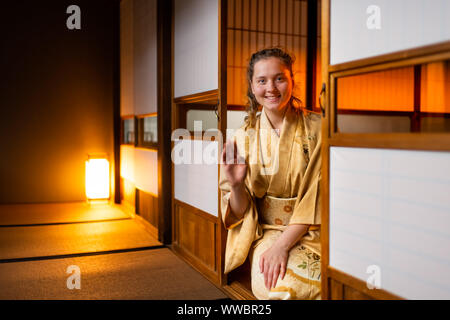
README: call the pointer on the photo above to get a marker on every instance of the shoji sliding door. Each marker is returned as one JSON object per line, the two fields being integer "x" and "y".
{"x": 127, "y": 188}
{"x": 197, "y": 229}
{"x": 386, "y": 159}
{"x": 213, "y": 41}
{"x": 139, "y": 100}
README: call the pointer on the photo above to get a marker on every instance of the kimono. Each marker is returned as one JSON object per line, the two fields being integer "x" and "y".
{"x": 282, "y": 185}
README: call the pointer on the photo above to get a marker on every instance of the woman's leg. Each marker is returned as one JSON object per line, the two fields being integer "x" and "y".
{"x": 302, "y": 279}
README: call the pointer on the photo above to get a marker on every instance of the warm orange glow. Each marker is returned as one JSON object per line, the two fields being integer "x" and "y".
{"x": 390, "y": 90}
{"x": 254, "y": 25}
{"x": 393, "y": 90}
{"x": 97, "y": 179}
{"x": 435, "y": 89}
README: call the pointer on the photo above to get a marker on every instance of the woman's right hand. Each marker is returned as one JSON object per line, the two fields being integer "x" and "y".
{"x": 235, "y": 166}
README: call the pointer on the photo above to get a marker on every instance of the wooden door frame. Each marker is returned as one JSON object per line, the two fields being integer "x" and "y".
{"x": 117, "y": 127}
{"x": 164, "y": 111}
{"x": 325, "y": 20}
{"x": 222, "y": 125}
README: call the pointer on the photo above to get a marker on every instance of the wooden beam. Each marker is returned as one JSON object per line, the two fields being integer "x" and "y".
{"x": 164, "y": 108}
{"x": 311, "y": 55}
{"x": 117, "y": 122}
{"x": 222, "y": 126}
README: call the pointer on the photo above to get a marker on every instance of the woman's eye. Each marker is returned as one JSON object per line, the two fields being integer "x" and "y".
{"x": 261, "y": 81}
{"x": 280, "y": 79}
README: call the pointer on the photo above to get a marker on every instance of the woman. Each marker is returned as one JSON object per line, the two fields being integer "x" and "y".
{"x": 270, "y": 190}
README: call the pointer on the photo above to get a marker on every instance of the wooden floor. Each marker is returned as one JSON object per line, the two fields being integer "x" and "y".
{"x": 117, "y": 257}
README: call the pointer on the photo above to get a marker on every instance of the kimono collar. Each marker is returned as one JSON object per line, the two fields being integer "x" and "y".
{"x": 280, "y": 165}
{"x": 290, "y": 118}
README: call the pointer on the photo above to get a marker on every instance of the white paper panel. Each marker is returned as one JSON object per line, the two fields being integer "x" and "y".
{"x": 235, "y": 119}
{"x": 126, "y": 58}
{"x": 196, "y": 46}
{"x": 145, "y": 57}
{"x": 197, "y": 183}
{"x": 403, "y": 24}
{"x": 207, "y": 117}
{"x": 146, "y": 170}
{"x": 127, "y": 162}
{"x": 391, "y": 208}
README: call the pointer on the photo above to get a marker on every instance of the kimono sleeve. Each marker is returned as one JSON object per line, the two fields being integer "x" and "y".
{"x": 230, "y": 221}
{"x": 307, "y": 209}
{"x": 241, "y": 233}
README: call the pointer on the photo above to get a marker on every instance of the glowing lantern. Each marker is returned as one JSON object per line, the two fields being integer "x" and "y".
{"x": 97, "y": 177}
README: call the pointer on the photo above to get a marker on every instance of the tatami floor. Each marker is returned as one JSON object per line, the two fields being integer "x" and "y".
{"x": 116, "y": 255}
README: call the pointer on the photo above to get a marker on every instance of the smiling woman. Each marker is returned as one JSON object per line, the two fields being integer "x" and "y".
{"x": 274, "y": 219}
{"x": 270, "y": 81}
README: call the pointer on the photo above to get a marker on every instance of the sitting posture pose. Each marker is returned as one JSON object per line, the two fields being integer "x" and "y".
{"x": 269, "y": 181}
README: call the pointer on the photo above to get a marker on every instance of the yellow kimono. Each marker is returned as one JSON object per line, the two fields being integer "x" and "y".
{"x": 282, "y": 184}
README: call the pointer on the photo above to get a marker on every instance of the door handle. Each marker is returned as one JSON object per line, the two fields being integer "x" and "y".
{"x": 216, "y": 109}
{"x": 321, "y": 96}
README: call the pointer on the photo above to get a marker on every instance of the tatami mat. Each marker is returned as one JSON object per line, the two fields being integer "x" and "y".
{"x": 150, "y": 274}
{"x": 38, "y": 241}
{"x": 47, "y": 213}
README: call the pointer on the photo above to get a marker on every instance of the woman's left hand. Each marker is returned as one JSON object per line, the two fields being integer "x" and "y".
{"x": 272, "y": 264}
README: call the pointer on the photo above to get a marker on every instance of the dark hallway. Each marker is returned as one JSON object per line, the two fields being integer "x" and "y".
{"x": 60, "y": 106}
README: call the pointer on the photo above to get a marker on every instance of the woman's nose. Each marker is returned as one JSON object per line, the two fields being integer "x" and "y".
{"x": 271, "y": 86}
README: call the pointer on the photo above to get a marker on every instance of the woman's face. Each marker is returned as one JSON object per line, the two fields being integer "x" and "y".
{"x": 272, "y": 84}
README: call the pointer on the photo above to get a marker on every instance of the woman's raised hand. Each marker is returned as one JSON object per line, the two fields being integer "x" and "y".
{"x": 234, "y": 165}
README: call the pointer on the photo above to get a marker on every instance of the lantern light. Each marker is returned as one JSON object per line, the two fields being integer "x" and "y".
{"x": 97, "y": 177}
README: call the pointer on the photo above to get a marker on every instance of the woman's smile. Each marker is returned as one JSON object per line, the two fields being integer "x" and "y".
{"x": 273, "y": 98}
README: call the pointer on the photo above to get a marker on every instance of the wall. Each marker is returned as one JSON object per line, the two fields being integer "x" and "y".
{"x": 56, "y": 97}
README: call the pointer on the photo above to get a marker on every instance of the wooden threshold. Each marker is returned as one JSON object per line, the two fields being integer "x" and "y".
{"x": 237, "y": 291}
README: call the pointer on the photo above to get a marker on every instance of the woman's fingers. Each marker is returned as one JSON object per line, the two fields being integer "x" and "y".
{"x": 266, "y": 273}
{"x": 270, "y": 277}
{"x": 276, "y": 273}
{"x": 282, "y": 270}
{"x": 240, "y": 159}
{"x": 224, "y": 154}
{"x": 228, "y": 152}
{"x": 237, "y": 156}
{"x": 272, "y": 268}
